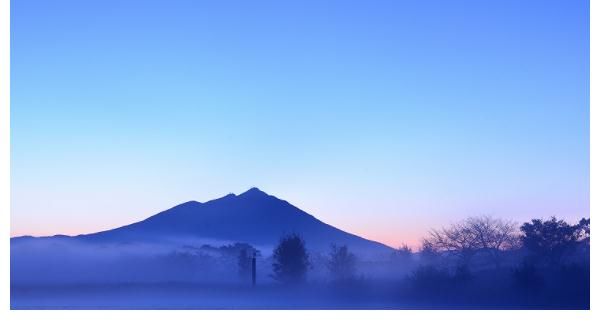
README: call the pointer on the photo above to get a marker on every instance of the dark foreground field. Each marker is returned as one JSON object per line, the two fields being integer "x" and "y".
{"x": 361, "y": 295}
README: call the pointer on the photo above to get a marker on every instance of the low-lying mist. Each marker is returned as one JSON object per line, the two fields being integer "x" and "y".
{"x": 67, "y": 261}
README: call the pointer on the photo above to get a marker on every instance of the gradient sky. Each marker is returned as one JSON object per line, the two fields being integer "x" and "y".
{"x": 383, "y": 118}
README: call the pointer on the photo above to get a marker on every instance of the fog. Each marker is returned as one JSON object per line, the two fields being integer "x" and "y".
{"x": 68, "y": 261}
{"x": 71, "y": 273}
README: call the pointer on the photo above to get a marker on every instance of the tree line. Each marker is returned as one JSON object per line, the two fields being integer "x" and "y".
{"x": 476, "y": 242}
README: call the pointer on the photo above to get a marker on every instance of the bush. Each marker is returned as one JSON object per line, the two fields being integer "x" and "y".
{"x": 527, "y": 277}
{"x": 430, "y": 278}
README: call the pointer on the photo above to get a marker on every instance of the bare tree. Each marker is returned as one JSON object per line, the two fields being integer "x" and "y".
{"x": 493, "y": 235}
{"x": 468, "y": 237}
{"x": 457, "y": 239}
{"x": 428, "y": 251}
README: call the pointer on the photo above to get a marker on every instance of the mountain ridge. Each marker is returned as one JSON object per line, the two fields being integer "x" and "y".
{"x": 253, "y": 217}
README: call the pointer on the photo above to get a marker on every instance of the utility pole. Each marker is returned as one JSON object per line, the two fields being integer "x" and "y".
{"x": 254, "y": 269}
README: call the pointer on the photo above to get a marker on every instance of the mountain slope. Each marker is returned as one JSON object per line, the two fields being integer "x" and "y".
{"x": 253, "y": 217}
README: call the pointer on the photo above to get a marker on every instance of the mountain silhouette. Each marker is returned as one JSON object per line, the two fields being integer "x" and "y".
{"x": 252, "y": 217}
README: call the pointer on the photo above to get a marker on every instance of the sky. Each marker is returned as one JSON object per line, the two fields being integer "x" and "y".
{"x": 382, "y": 118}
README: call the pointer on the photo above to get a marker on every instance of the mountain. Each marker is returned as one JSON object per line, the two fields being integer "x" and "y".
{"x": 252, "y": 217}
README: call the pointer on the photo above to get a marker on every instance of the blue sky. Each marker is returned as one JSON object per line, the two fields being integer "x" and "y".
{"x": 383, "y": 118}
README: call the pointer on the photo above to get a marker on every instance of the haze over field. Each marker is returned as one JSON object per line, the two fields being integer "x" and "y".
{"x": 435, "y": 154}
{"x": 213, "y": 254}
{"x": 148, "y": 251}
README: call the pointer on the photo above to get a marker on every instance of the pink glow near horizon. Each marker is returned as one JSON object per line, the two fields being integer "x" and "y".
{"x": 391, "y": 239}
{"x": 391, "y": 222}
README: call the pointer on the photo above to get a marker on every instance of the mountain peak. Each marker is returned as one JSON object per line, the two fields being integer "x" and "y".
{"x": 254, "y": 192}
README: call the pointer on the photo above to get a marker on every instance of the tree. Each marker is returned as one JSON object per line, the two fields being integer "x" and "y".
{"x": 242, "y": 252}
{"x": 290, "y": 260}
{"x": 402, "y": 255}
{"x": 473, "y": 235}
{"x": 493, "y": 235}
{"x": 458, "y": 239}
{"x": 583, "y": 231}
{"x": 404, "y": 251}
{"x": 583, "y": 236}
{"x": 427, "y": 252}
{"x": 549, "y": 241}
{"x": 341, "y": 263}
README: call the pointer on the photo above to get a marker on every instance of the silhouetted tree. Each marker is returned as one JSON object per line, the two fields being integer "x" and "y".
{"x": 458, "y": 239}
{"x": 476, "y": 234}
{"x": 234, "y": 249}
{"x": 427, "y": 252}
{"x": 549, "y": 241}
{"x": 583, "y": 231}
{"x": 240, "y": 252}
{"x": 493, "y": 235}
{"x": 290, "y": 260}
{"x": 404, "y": 251}
{"x": 341, "y": 263}
{"x": 583, "y": 236}
{"x": 403, "y": 254}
